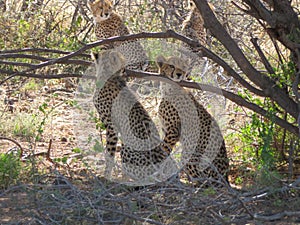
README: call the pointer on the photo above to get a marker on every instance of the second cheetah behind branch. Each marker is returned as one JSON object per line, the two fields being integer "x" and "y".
{"x": 193, "y": 25}
{"x": 210, "y": 144}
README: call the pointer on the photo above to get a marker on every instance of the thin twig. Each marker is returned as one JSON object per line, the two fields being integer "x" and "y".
{"x": 262, "y": 56}
{"x": 15, "y": 142}
{"x": 276, "y": 216}
{"x": 48, "y": 76}
{"x": 48, "y": 152}
{"x": 297, "y": 94}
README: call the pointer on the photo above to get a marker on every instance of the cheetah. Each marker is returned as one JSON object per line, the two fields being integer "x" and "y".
{"x": 193, "y": 25}
{"x": 210, "y": 143}
{"x": 108, "y": 23}
{"x": 194, "y": 28}
{"x": 142, "y": 151}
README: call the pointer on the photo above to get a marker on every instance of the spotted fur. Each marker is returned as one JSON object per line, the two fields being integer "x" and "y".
{"x": 209, "y": 142}
{"x": 108, "y": 23}
{"x": 142, "y": 150}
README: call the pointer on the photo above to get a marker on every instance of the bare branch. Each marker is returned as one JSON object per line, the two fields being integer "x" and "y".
{"x": 15, "y": 142}
{"x": 258, "y": 10}
{"x": 264, "y": 82}
{"x": 295, "y": 86}
{"x": 17, "y": 64}
{"x": 30, "y": 65}
{"x": 46, "y": 76}
{"x": 169, "y": 34}
{"x": 262, "y": 56}
{"x": 40, "y": 50}
{"x": 297, "y": 94}
{"x": 229, "y": 95}
{"x": 268, "y": 86}
{"x": 22, "y": 56}
{"x": 209, "y": 54}
{"x": 276, "y": 216}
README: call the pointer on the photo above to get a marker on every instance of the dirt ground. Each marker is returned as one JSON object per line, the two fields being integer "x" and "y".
{"x": 65, "y": 190}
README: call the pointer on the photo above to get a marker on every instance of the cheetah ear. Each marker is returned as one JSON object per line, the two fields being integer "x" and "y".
{"x": 115, "y": 2}
{"x": 90, "y": 2}
{"x": 94, "y": 56}
{"x": 160, "y": 60}
{"x": 191, "y": 4}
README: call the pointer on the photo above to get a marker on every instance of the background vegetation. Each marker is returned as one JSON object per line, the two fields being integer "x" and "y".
{"x": 39, "y": 70}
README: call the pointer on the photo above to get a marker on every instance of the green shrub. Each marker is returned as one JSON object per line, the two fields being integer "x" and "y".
{"x": 10, "y": 168}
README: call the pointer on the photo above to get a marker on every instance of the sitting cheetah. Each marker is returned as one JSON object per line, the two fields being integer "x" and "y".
{"x": 108, "y": 23}
{"x": 210, "y": 143}
{"x": 193, "y": 25}
{"x": 142, "y": 150}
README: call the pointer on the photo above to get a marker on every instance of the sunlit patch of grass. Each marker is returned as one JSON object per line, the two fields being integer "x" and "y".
{"x": 22, "y": 125}
{"x": 31, "y": 85}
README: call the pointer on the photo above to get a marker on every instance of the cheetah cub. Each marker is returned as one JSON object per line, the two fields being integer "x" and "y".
{"x": 193, "y": 26}
{"x": 121, "y": 113}
{"x": 206, "y": 157}
{"x": 109, "y": 23}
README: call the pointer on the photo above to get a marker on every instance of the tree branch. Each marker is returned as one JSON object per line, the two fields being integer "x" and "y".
{"x": 297, "y": 94}
{"x": 47, "y": 76}
{"x": 31, "y": 65}
{"x": 209, "y": 54}
{"x": 264, "y": 82}
{"x": 15, "y": 142}
{"x": 262, "y": 56}
{"x": 258, "y": 10}
{"x": 269, "y": 86}
{"x": 168, "y": 34}
{"x": 277, "y": 216}
{"x": 229, "y": 95}
{"x": 40, "y": 50}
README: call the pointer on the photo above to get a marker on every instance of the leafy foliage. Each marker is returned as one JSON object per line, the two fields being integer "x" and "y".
{"x": 10, "y": 167}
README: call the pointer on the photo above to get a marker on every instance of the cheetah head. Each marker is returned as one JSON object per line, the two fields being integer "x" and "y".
{"x": 173, "y": 67}
{"x": 192, "y": 7}
{"x": 101, "y": 9}
{"x": 108, "y": 63}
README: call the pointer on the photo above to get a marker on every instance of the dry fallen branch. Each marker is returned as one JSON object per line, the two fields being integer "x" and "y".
{"x": 56, "y": 198}
{"x": 276, "y": 216}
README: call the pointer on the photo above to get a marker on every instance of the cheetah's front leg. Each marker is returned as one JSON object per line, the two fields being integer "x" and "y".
{"x": 111, "y": 146}
{"x": 171, "y": 125}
